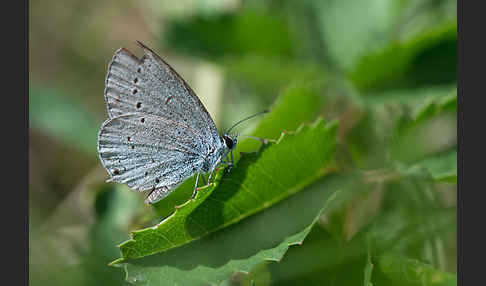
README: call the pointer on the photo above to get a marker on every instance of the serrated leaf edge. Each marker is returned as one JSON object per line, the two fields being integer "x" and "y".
{"x": 304, "y": 233}
{"x": 329, "y": 125}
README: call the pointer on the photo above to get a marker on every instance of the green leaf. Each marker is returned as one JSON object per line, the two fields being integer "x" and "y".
{"x": 442, "y": 167}
{"x": 258, "y": 181}
{"x": 322, "y": 260}
{"x": 350, "y": 29}
{"x": 429, "y": 58}
{"x": 259, "y": 275}
{"x": 431, "y": 131}
{"x": 402, "y": 271}
{"x": 387, "y": 117}
{"x": 416, "y": 205}
{"x": 250, "y": 31}
{"x": 410, "y": 97}
{"x": 434, "y": 109}
{"x": 414, "y": 221}
{"x": 265, "y": 237}
{"x": 325, "y": 260}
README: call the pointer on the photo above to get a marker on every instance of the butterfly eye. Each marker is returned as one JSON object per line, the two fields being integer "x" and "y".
{"x": 228, "y": 141}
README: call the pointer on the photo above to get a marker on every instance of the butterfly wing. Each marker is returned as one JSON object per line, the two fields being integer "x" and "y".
{"x": 149, "y": 85}
{"x": 149, "y": 152}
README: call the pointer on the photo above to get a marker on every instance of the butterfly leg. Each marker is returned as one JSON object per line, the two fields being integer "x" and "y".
{"x": 210, "y": 175}
{"x": 195, "y": 187}
{"x": 204, "y": 180}
{"x": 206, "y": 183}
{"x": 230, "y": 164}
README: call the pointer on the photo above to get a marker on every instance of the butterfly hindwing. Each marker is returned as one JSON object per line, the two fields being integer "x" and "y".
{"x": 146, "y": 151}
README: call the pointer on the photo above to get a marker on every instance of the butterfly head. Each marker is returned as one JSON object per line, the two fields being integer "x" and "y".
{"x": 230, "y": 141}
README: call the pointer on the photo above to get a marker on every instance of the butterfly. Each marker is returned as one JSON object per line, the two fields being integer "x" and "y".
{"x": 158, "y": 132}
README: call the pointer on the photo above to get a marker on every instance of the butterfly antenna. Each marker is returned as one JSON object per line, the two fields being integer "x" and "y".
{"x": 245, "y": 119}
{"x": 263, "y": 140}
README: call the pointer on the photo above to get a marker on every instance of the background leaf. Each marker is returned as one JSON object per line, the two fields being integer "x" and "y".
{"x": 236, "y": 34}
{"x": 442, "y": 167}
{"x": 434, "y": 119}
{"x": 428, "y": 59}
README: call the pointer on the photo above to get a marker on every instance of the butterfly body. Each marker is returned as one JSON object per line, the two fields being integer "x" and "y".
{"x": 158, "y": 133}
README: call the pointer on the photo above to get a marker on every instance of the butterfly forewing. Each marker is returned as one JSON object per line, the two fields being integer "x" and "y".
{"x": 146, "y": 151}
{"x": 149, "y": 85}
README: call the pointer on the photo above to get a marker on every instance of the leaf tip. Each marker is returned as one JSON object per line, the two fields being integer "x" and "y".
{"x": 116, "y": 262}
{"x": 131, "y": 240}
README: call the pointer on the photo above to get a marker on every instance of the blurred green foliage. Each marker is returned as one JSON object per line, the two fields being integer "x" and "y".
{"x": 384, "y": 69}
